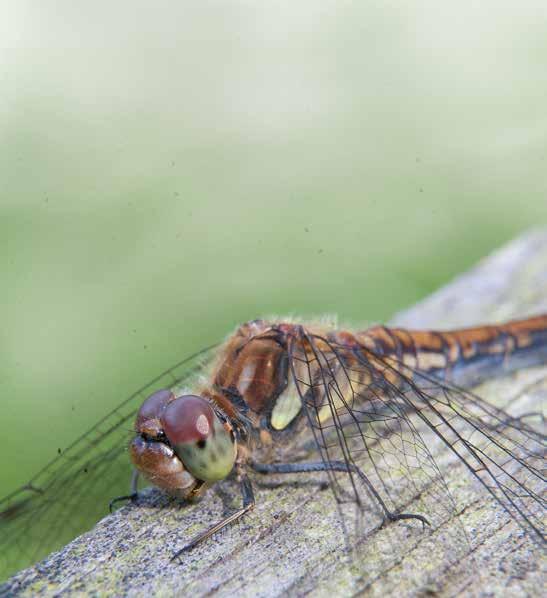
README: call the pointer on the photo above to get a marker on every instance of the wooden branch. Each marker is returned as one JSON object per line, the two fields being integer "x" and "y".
{"x": 293, "y": 542}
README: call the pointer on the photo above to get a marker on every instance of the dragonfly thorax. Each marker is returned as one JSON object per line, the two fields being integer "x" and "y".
{"x": 254, "y": 376}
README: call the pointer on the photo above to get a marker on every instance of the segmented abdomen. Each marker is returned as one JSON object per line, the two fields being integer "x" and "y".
{"x": 465, "y": 356}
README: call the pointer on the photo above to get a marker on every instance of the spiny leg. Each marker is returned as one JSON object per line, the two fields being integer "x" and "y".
{"x": 267, "y": 468}
{"x": 248, "y": 504}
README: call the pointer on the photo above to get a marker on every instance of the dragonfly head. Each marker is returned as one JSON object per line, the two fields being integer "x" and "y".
{"x": 182, "y": 443}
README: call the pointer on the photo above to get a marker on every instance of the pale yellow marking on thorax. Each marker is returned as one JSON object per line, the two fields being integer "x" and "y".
{"x": 286, "y": 408}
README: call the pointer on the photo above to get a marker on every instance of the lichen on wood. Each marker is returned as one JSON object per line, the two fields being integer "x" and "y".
{"x": 293, "y": 543}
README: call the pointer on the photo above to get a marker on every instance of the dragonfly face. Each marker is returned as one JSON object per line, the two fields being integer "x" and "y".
{"x": 182, "y": 443}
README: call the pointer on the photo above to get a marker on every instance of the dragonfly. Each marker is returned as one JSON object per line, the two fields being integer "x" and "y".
{"x": 375, "y": 405}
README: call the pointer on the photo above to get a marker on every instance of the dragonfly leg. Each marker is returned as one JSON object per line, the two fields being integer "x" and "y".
{"x": 248, "y": 504}
{"x": 129, "y": 497}
{"x": 266, "y": 468}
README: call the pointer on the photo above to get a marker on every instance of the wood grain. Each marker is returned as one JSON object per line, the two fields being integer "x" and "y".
{"x": 292, "y": 543}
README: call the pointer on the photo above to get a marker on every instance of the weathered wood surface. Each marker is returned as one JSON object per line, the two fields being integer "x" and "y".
{"x": 292, "y": 542}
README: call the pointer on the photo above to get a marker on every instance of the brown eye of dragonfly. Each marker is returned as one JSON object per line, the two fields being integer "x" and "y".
{"x": 188, "y": 419}
{"x": 154, "y": 405}
{"x": 198, "y": 437}
{"x": 150, "y": 412}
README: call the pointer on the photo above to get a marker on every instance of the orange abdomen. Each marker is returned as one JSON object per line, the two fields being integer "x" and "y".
{"x": 465, "y": 356}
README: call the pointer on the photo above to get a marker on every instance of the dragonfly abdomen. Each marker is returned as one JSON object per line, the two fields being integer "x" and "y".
{"x": 464, "y": 356}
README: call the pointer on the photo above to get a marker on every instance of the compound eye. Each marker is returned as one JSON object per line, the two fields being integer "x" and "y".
{"x": 150, "y": 411}
{"x": 199, "y": 438}
{"x": 188, "y": 420}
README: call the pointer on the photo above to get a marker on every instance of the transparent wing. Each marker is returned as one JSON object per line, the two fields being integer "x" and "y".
{"x": 73, "y": 491}
{"x": 387, "y": 420}
{"x": 505, "y": 454}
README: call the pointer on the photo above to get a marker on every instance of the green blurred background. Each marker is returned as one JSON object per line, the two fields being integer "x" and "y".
{"x": 171, "y": 169}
